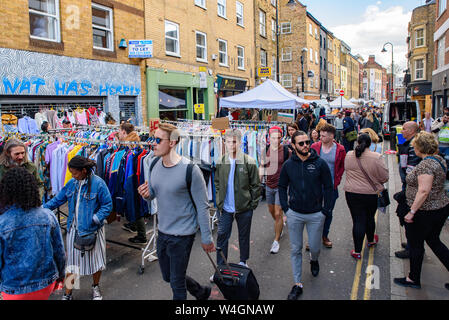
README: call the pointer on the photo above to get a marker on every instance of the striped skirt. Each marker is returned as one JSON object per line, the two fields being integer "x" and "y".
{"x": 92, "y": 261}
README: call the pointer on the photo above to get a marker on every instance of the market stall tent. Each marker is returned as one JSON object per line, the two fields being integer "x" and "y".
{"x": 268, "y": 95}
{"x": 342, "y": 103}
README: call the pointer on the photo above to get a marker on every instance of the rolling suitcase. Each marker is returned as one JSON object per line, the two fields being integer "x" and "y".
{"x": 236, "y": 282}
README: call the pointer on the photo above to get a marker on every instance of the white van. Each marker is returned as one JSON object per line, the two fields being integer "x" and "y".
{"x": 396, "y": 113}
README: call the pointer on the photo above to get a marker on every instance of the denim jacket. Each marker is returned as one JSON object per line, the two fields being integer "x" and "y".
{"x": 93, "y": 207}
{"x": 32, "y": 252}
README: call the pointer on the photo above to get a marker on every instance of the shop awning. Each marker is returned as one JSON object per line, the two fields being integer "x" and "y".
{"x": 169, "y": 101}
{"x": 230, "y": 83}
{"x": 268, "y": 95}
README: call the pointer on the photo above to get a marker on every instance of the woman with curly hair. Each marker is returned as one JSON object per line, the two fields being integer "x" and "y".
{"x": 90, "y": 204}
{"x": 32, "y": 258}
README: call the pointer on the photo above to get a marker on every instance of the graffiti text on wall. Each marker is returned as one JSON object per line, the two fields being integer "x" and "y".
{"x": 61, "y": 88}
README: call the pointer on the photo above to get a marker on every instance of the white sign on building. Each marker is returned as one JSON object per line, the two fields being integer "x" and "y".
{"x": 140, "y": 49}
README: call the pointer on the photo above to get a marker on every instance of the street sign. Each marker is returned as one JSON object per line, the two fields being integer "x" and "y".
{"x": 199, "y": 108}
{"x": 140, "y": 49}
{"x": 342, "y": 93}
{"x": 203, "y": 69}
{"x": 203, "y": 80}
{"x": 264, "y": 72}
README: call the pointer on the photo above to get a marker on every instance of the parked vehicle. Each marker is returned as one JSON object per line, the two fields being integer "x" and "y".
{"x": 397, "y": 113}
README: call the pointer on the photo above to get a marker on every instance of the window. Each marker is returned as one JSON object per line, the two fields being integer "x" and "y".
{"x": 240, "y": 58}
{"x": 239, "y": 13}
{"x": 441, "y": 51}
{"x": 330, "y": 67}
{"x": 316, "y": 33}
{"x": 221, "y": 4}
{"x": 310, "y": 29}
{"x": 201, "y": 46}
{"x": 321, "y": 41}
{"x": 286, "y": 80}
{"x": 311, "y": 54}
{"x": 273, "y": 2}
{"x": 262, "y": 24}
{"x": 286, "y": 28}
{"x": 44, "y": 19}
{"x": 201, "y": 3}
{"x": 171, "y": 38}
{"x": 441, "y": 6}
{"x": 316, "y": 57}
{"x": 273, "y": 29}
{"x": 324, "y": 64}
{"x": 419, "y": 38}
{"x": 102, "y": 27}
{"x": 311, "y": 83}
{"x": 273, "y": 69}
{"x": 287, "y": 54}
{"x": 263, "y": 58}
{"x": 223, "y": 52}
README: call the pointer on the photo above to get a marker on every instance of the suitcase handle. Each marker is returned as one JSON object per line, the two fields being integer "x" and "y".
{"x": 234, "y": 279}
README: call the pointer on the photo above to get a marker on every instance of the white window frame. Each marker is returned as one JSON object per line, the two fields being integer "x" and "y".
{"x": 310, "y": 29}
{"x": 287, "y": 26}
{"x": 169, "y": 53}
{"x": 287, "y": 54}
{"x": 203, "y": 47}
{"x": 423, "y": 38}
{"x": 273, "y": 69}
{"x": 226, "y": 64}
{"x": 201, "y": 3}
{"x": 273, "y": 3}
{"x": 238, "y": 14}
{"x": 55, "y": 16}
{"x": 273, "y": 29}
{"x": 441, "y": 7}
{"x": 262, "y": 23}
{"x": 221, "y": 4}
{"x": 441, "y": 51}
{"x": 241, "y": 58}
{"x": 265, "y": 56}
{"x": 316, "y": 57}
{"x": 311, "y": 54}
{"x": 284, "y": 81}
{"x": 111, "y": 29}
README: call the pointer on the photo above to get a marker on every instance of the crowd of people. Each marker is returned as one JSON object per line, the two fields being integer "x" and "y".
{"x": 300, "y": 171}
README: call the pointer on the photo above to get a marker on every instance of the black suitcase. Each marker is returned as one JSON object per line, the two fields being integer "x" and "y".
{"x": 236, "y": 282}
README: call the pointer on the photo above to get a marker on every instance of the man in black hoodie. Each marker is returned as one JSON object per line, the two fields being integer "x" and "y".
{"x": 308, "y": 180}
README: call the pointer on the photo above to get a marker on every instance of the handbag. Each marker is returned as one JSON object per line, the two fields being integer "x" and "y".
{"x": 383, "y": 198}
{"x": 84, "y": 243}
{"x": 351, "y": 135}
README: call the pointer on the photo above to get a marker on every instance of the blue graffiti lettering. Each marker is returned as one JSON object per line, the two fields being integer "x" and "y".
{"x": 73, "y": 86}
{"x": 85, "y": 86}
{"x": 125, "y": 89}
{"x": 37, "y": 83}
{"x": 118, "y": 90}
{"x": 9, "y": 87}
{"x": 26, "y": 85}
{"x": 137, "y": 91}
{"x": 58, "y": 88}
{"x": 104, "y": 90}
{"x": 111, "y": 92}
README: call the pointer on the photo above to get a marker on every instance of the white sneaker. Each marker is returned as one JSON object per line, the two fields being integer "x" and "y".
{"x": 96, "y": 293}
{"x": 274, "y": 247}
{"x": 243, "y": 264}
{"x": 211, "y": 278}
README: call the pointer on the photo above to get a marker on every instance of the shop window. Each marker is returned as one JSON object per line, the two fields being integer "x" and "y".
{"x": 241, "y": 57}
{"x": 103, "y": 35}
{"x": 172, "y": 38}
{"x": 221, "y": 7}
{"x": 239, "y": 13}
{"x": 172, "y": 104}
{"x": 223, "y": 52}
{"x": 44, "y": 20}
{"x": 262, "y": 24}
{"x": 201, "y": 46}
{"x": 127, "y": 109}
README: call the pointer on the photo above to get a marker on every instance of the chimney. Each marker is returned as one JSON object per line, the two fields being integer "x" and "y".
{"x": 372, "y": 59}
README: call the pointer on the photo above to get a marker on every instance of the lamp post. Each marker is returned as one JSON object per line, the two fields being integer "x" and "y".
{"x": 392, "y": 65}
{"x": 302, "y": 69}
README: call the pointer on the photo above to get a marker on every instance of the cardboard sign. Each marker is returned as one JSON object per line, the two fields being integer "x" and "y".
{"x": 285, "y": 119}
{"x": 220, "y": 123}
{"x": 154, "y": 124}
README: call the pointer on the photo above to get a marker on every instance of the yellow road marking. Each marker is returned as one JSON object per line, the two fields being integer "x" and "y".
{"x": 358, "y": 271}
{"x": 370, "y": 262}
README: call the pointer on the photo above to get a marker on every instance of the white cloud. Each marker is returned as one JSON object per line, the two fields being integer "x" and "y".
{"x": 379, "y": 3}
{"x": 378, "y": 27}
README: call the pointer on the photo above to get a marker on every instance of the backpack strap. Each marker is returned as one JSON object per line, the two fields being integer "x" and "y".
{"x": 433, "y": 158}
{"x": 189, "y": 172}
{"x": 154, "y": 163}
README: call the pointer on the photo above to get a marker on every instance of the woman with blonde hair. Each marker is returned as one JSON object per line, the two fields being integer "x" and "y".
{"x": 375, "y": 145}
{"x": 368, "y": 121}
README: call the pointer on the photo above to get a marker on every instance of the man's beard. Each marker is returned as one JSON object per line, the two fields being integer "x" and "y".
{"x": 12, "y": 163}
{"x": 302, "y": 153}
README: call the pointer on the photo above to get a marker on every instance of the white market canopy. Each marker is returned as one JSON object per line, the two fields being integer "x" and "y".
{"x": 268, "y": 95}
{"x": 341, "y": 102}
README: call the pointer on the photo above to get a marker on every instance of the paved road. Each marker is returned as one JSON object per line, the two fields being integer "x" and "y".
{"x": 341, "y": 277}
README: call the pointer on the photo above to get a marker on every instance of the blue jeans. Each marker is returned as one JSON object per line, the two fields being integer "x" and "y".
{"x": 173, "y": 253}
{"x": 328, "y": 221}
{"x": 224, "y": 233}
{"x": 444, "y": 150}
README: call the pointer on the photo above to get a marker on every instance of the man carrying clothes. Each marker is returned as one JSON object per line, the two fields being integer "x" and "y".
{"x": 237, "y": 186}
{"x": 179, "y": 214}
{"x": 308, "y": 180}
{"x": 440, "y": 128}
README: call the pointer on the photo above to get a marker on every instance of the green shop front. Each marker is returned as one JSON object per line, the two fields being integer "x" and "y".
{"x": 172, "y": 95}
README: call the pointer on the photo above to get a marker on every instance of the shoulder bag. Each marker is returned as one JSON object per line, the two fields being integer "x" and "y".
{"x": 383, "y": 198}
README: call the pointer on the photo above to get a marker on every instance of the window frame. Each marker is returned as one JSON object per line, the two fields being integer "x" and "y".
{"x": 290, "y": 54}
{"x": 282, "y": 27}
{"x": 237, "y": 3}
{"x": 220, "y": 52}
{"x": 311, "y": 54}
{"x": 266, "y": 58}
{"x": 310, "y": 29}
{"x": 440, "y": 7}
{"x": 205, "y": 46}
{"x": 240, "y": 57}
{"x": 423, "y": 37}
{"x": 223, "y": 4}
{"x": 273, "y": 29}
{"x": 199, "y": 5}
{"x": 56, "y": 16}
{"x": 441, "y": 54}
{"x": 274, "y": 4}
{"x": 264, "y": 24}
{"x": 273, "y": 68}
{"x": 111, "y": 17}
{"x": 169, "y": 53}
{"x": 283, "y": 80}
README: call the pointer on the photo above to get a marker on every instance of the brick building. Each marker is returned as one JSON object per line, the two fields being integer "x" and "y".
{"x": 374, "y": 79}
{"x": 66, "y": 54}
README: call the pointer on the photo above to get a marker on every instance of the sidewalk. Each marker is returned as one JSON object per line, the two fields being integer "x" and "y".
{"x": 434, "y": 275}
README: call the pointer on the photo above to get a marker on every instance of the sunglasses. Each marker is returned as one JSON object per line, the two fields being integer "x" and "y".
{"x": 158, "y": 140}
{"x": 307, "y": 142}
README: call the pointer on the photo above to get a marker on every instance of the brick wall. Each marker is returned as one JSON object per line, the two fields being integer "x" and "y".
{"x": 265, "y": 42}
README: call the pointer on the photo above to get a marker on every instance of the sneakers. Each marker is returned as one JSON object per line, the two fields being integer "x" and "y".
{"x": 327, "y": 243}
{"x": 243, "y": 264}
{"x": 274, "y": 247}
{"x": 404, "y": 283}
{"x": 295, "y": 293}
{"x": 205, "y": 294}
{"x": 314, "y": 268}
{"x": 355, "y": 255}
{"x": 403, "y": 254}
{"x": 372, "y": 244}
{"x": 67, "y": 297}
{"x": 96, "y": 293}
{"x": 138, "y": 240}
{"x": 129, "y": 227}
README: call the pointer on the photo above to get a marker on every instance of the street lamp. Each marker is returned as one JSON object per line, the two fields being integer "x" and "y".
{"x": 392, "y": 65}
{"x": 302, "y": 68}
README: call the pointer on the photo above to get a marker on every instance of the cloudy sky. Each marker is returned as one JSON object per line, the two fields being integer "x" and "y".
{"x": 365, "y": 25}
